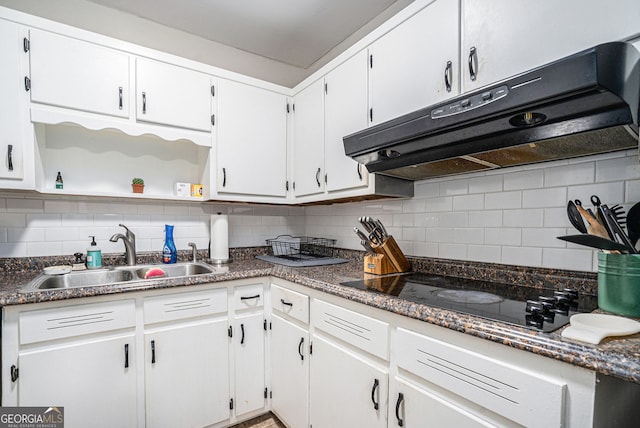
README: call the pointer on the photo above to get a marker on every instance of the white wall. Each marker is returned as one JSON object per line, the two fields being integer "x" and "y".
{"x": 31, "y": 225}
{"x": 509, "y": 216}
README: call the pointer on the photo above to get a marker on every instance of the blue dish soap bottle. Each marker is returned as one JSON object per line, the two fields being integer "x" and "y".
{"x": 169, "y": 252}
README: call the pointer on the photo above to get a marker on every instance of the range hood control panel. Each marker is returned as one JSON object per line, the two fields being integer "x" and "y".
{"x": 470, "y": 103}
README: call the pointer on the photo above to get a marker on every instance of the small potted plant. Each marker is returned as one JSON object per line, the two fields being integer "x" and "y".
{"x": 137, "y": 184}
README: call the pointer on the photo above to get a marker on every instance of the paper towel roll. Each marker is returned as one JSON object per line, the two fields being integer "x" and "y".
{"x": 219, "y": 244}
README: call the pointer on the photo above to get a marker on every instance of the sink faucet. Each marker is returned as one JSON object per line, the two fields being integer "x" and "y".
{"x": 129, "y": 244}
{"x": 194, "y": 251}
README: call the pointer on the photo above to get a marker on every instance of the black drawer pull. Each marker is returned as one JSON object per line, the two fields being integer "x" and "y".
{"x": 300, "y": 348}
{"x": 153, "y": 352}
{"x": 448, "y": 76}
{"x": 284, "y": 302}
{"x": 398, "y": 404}
{"x": 473, "y": 63}
{"x": 242, "y": 330}
{"x": 257, "y": 296}
{"x": 126, "y": 355}
{"x": 376, "y": 384}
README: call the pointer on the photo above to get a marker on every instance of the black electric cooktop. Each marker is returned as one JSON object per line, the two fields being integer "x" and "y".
{"x": 539, "y": 309}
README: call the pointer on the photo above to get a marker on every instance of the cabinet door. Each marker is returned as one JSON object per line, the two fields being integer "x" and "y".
{"x": 345, "y": 113}
{"x": 252, "y": 140}
{"x": 511, "y": 38}
{"x": 187, "y": 375}
{"x": 172, "y": 95}
{"x": 71, "y": 73}
{"x": 346, "y": 390}
{"x": 308, "y": 140}
{"x": 11, "y": 136}
{"x": 408, "y": 71}
{"x": 290, "y": 372}
{"x": 248, "y": 339}
{"x": 95, "y": 381}
{"x": 412, "y": 406}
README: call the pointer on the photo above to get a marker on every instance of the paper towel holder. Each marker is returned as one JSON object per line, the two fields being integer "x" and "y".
{"x": 224, "y": 251}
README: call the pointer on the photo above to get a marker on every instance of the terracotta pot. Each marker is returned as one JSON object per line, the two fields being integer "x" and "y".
{"x": 137, "y": 188}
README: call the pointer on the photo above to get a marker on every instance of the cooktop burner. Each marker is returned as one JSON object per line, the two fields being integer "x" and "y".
{"x": 535, "y": 308}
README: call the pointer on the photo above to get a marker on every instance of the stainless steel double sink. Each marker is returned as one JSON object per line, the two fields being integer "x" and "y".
{"x": 118, "y": 275}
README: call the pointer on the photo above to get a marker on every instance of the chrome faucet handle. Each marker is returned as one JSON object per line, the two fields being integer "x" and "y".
{"x": 130, "y": 234}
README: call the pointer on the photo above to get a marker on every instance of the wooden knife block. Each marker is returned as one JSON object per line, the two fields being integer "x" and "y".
{"x": 389, "y": 259}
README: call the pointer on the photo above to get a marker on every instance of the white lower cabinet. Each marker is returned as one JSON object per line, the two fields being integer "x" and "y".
{"x": 187, "y": 361}
{"x": 290, "y": 356}
{"x": 248, "y": 333}
{"x": 82, "y": 358}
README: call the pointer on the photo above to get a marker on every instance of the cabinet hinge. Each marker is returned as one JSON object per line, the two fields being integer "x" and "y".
{"x": 26, "y": 44}
{"x": 213, "y": 91}
{"x": 27, "y": 84}
{"x": 231, "y": 404}
{"x": 265, "y": 393}
{"x": 14, "y": 373}
{"x": 230, "y": 331}
{"x": 371, "y": 61}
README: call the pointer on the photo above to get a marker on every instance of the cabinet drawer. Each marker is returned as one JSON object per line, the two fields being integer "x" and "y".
{"x": 289, "y": 302}
{"x": 507, "y": 390}
{"x": 184, "y": 305}
{"x": 248, "y": 296}
{"x": 359, "y": 330}
{"x": 57, "y": 323}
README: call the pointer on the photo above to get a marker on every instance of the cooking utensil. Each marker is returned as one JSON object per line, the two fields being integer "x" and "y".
{"x": 575, "y": 218}
{"x": 594, "y": 228}
{"x": 619, "y": 234}
{"x": 633, "y": 223}
{"x": 604, "y": 219}
{"x": 367, "y": 247}
{"x": 594, "y": 241}
{"x": 620, "y": 214}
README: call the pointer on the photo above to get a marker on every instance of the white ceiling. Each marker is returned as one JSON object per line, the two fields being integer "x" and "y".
{"x": 295, "y": 32}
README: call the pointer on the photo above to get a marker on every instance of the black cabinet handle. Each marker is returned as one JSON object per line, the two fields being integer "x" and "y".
{"x": 371, "y": 115}
{"x": 144, "y": 103}
{"x": 120, "y": 98}
{"x": 284, "y": 302}
{"x": 448, "y": 76}
{"x": 242, "y": 330}
{"x": 473, "y": 63}
{"x": 213, "y": 120}
{"x": 359, "y": 173}
{"x": 25, "y": 44}
{"x": 224, "y": 177}
{"x": 300, "y": 348}
{"x": 257, "y": 296}
{"x": 398, "y": 404}
{"x": 318, "y": 177}
{"x": 376, "y": 384}
{"x": 153, "y": 352}
{"x": 126, "y": 355}
{"x": 10, "y": 157}
{"x": 14, "y": 373}
{"x": 230, "y": 331}
{"x": 27, "y": 84}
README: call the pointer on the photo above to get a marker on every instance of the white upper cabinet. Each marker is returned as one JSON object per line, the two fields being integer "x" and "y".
{"x": 345, "y": 112}
{"x": 252, "y": 140}
{"x": 510, "y": 38}
{"x": 12, "y": 112}
{"x": 67, "y": 72}
{"x": 308, "y": 140}
{"x": 172, "y": 95}
{"x": 415, "y": 64}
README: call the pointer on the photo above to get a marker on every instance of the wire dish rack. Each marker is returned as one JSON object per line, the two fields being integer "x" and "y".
{"x": 301, "y": 247}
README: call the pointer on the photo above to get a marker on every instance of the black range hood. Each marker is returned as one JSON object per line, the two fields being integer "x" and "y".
{"x": 583, "y": 104}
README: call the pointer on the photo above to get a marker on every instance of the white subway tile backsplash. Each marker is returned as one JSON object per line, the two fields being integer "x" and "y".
{"x": 632, "y": 192}
{"x": 609, "y": 193}
{"x": 486, "y": 184}
{"x": 484, "y": 253}
{"x": 543, "y": 237}
{"x": 13, "y": 249}
{"x": 13, "y": 220}
{"x": 532, "y": 179}
{"x": 565, "y": 258}
{"x": 439, "y": 204}
{"x": 622, "y": 168}
{"x": 556, "y": 217}
{"x": 60, "y": 234}
{"x": 485, "y": 218}
{"x": 549, "y": 197}
{"x": 426, "y": 189}
{"x": 522, "y": 256}
{"x": 455, "y": 219}
{"x": 503, "y": 236}
{"x": 413, "y": 206}
{"x": 28, "y": 234}
{"x": 25, "y": 205}
{"x": 468, "y": 235}
{"x": 60, "y": 206}
{"x": 425, "y": 249}
{"x": 568, "y": 175}
{"x": 425, "y": 220}
{"x": 452, "y": 251}
{"x": 413, "y": 234}
{"x": 503, "y": 200}
{"x": 454, "y": 187}
{"x": 35, "y": 249}
{"x": 468, "y": 202}
{"x": 531, "y": 217}
{"x": 402, "y": 220}
{"x": 439, "y": 234}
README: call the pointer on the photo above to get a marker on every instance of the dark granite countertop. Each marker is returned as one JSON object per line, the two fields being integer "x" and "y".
{"x": 618, "y": 357}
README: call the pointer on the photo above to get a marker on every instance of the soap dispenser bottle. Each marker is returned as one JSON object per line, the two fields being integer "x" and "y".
{"x": 94, "y": 255}
{"x": 169, "y": 252}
